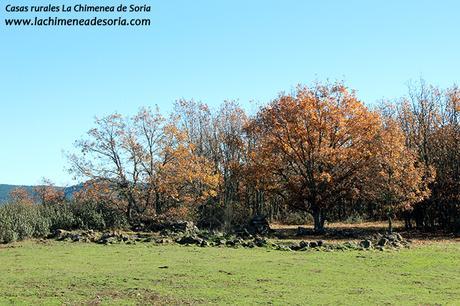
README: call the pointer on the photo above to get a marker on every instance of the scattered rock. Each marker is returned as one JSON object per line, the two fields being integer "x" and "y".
{"x": 166, "y": 227}
{"x": 304, "y": 244}
{"x": 383, "y": 241}
{"x": 260, "y": 242}
{"x": 283, "y": 248}
{"x": 248, "y": 244}
{"x": 163, "y": 241}
{"x": 294, "y": 246}
{"x": 190, "y": 240}
{"x": 367, "y": 244}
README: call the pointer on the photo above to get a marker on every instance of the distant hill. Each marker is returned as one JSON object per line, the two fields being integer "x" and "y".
{"x": 5, "y": 190}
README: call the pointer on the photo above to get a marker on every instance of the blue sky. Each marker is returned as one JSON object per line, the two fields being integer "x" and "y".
{"x": 53, "y": 81}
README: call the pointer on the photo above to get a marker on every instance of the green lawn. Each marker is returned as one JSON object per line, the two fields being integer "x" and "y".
{"x": 65, "y": 273}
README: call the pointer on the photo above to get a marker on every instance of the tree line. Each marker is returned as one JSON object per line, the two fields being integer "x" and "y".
{"x": 318, "y": 152}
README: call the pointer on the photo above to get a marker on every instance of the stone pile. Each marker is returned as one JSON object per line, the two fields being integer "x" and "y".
{"x": 192, "y": 236}
{"x": 166, "y": 227}
{"x": 385, "y": 241}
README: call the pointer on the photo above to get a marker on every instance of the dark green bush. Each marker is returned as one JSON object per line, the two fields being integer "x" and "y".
{"x": 21, "y": 221}
{"x": 88, "y": 216}
{"x": 85, "y": 215}
{"x": 99, "y": 216}
{"x": 113, "y": 217}
{"x": 61, "y": 216}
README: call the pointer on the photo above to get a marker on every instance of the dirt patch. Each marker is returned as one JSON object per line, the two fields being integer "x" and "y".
{"x": 140, "y": 296}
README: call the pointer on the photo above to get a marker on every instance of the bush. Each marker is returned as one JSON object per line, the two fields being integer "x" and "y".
{"x": 98, "y": 216}
{"x": 113, "y": 217}
{"x": 61, "y": 216}
{"x": 20, "y": 221}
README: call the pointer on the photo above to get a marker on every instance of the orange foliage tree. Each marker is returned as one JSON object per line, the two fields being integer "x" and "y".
{"x": 395, "y": 180}
{"x": 136, "y": 157}
{"x": 48, "y": 193}
{"x": 315, "y": 146}
{"x": 20, "y": 195}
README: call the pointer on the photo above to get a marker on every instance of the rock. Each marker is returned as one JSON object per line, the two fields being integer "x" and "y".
{"x": 60, "y": 234}
{"x": 218, "y": 241}
{"x": 313, "y": 244}
{"x": 244, "y": 233}
{"x": 383, "y": 241}
{"x": 283, "y": 248}
{"x": 397, "y": 245}
{"x": 108, "y": 240}
{"x": 294, "y": 247}
{"x": 320, "y": 243}
{"x": 248, "y": 244}
{"x": 166, "y": 228}
{"x": 190, "y": 240}
{"x": 162, "y": 241}
{"x": 234, "y": 242}
{"x": 367, "y": 244}
{"x": 304, "y": 244}
{"x": 260, "y": 242}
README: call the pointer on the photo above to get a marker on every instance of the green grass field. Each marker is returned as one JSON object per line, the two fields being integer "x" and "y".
{"x": 55, "y": 273}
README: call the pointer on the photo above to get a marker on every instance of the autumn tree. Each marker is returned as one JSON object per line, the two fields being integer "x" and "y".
{"x": 136, "y": 157}
{"x": 316, "y": 145}
{"x": 395, "y": 180}
{"x": 21, "y": 195}
{"x": 429, "y": 117}
{"x": 48, "y": 193}
{"x": 218, "y": 136}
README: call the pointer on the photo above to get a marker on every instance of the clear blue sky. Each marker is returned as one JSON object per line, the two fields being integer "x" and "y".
{"x": 53, "y": 81}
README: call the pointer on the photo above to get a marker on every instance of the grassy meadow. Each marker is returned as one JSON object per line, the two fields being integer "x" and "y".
{"x": 56, "y": 273}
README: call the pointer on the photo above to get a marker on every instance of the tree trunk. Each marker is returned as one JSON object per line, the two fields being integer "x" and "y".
{"x": 318, "y": 219}
{"x": 129, "y": 213}
{"x": 390, "y": 225}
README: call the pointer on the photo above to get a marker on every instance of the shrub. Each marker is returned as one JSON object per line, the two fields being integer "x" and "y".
{"x": 61, "y": 216}
{"x": 113, "y": 217}
{"x": 98, "y": 216}
{"x": 20, "y": 221}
